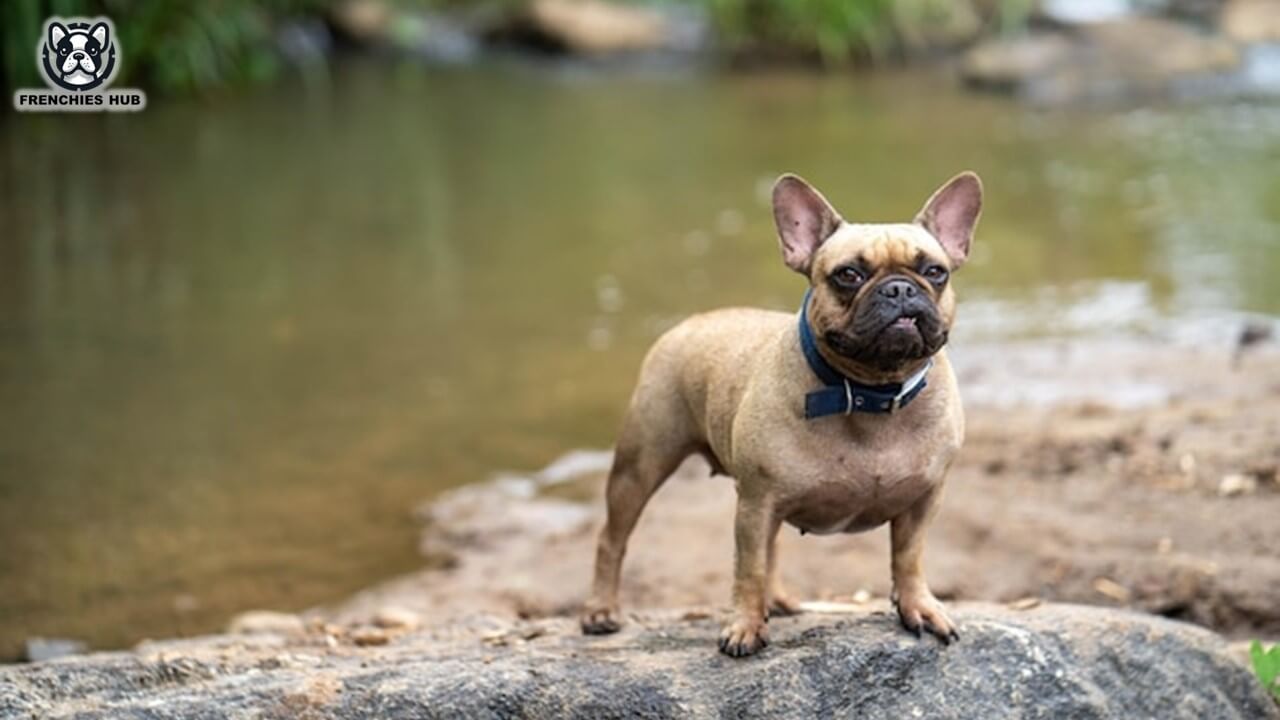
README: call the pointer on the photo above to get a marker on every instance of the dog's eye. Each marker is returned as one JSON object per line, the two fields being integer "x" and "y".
{"x": 62, "y": 51}
{"x": 93, "y": 51}
{"x": 936, "y": 274}
{"x": 848, "y": 277}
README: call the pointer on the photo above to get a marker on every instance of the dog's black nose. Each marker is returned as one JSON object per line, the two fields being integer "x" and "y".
{"x": 897, "y": 288}
{"x": 77, "y": 56}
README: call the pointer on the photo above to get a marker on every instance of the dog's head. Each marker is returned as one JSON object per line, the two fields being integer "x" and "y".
{"x": 79, "y": 51}
{"x": 882, "y": 296}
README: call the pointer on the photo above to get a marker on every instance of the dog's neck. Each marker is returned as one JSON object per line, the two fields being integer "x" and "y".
{"x": 866, "y": 374}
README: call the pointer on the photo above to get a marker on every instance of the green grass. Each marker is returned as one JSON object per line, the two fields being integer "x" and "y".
{"x": 1266, "y": 663}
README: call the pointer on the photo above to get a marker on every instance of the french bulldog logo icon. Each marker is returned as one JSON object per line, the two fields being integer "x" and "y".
{"x": 79, "y": 56}
{"x": 79, "y": 59}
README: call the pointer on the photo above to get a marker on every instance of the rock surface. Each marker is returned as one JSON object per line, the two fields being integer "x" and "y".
{"x": 1252, "y": 21}
{"x": 1120, "y": 60}
{"x": 1049, "y": 661}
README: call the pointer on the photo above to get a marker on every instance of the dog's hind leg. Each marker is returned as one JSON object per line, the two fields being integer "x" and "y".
{"x": 655, "y": 438}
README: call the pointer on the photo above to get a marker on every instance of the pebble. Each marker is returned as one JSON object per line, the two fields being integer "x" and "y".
{"x": 396, "y": 618}
{"x": 1025, "y": 603}
{"x": 1236, "y": 484}
{"x": 369, "y": 636}
{"x": 255, "y": 622}
{"x": 1112, "y": 589}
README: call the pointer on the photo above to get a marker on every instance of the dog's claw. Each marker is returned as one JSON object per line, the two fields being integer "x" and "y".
{"x": 600, "y": 622}
{"x": 923, "y": 613}
{"x": 743, "y": 638}
{"x": 913, "y": 629}
{"x": 945, "y": 638}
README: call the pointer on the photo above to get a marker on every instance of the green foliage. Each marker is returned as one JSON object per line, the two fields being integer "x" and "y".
{"x": 838, "y": 31}
{"x": 835, "y": 29}
{"x": 170, "y": 46}
{"x": 1267, "y": 666}
{"x": 173, "y": 46}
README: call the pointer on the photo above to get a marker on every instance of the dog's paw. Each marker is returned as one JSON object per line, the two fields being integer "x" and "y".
{"x": 744, "y": 637}
{"x": 600, "y": 621}
{"x": 782, "y": 605}
{"x": 921, "y": 611}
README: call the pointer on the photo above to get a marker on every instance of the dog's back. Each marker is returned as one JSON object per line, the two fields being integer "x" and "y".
{"x": 697, "y": 371}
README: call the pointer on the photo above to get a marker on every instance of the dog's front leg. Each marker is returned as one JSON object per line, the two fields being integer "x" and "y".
{"x": 918, "y": 609}
{"x": 754, "y": 526}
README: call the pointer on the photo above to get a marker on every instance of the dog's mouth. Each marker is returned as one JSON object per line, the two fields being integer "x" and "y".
{"x": 886, "y": 343}
{"x": 904, "y": 324}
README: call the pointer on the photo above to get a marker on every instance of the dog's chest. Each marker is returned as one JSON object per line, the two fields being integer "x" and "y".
{"x": 851, "y": 488}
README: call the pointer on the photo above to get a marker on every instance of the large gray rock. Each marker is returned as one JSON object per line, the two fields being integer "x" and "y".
{"x": 1047, "y": 662}
{"x": 1114, "y": 61}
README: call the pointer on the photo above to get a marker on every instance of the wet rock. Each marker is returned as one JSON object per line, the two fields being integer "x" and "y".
{"x": 1046, "y": 661}
{"x": 603, "y": 27}
{"x": 432, "y": 36}
{"x": 1122, "y": 60}
{"x": 1016, "y": 64}
{"x": 362, "y": 20}
{"x": 255, "y": 622}
{"x": 928, "y": 24}
{"x": 1252, "y": 21}
{"x": 39, "y": 649}
{"x": 304, "y": 42}
{"x": 1204, "y": 12}
{"x": 591, "y": 26}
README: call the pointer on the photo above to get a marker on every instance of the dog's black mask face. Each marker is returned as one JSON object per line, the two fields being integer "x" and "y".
{"x": 887, "y": 323}
{"x": 68, "y": 45}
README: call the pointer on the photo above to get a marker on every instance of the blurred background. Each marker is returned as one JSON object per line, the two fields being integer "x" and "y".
{"x": 354, "y": 253}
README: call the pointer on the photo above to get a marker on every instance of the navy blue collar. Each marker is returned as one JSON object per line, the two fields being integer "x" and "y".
{"x": 843, "y": 396}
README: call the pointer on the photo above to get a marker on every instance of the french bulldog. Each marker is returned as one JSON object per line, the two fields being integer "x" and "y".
{"x": 79, "y": 52}
{"x": 839, "y": 419}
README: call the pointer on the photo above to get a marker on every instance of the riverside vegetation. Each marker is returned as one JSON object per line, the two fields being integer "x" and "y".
{"x": 185, "y": 47}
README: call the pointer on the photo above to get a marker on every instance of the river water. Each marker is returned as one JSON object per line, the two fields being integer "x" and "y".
{"x": 242, "y": 336}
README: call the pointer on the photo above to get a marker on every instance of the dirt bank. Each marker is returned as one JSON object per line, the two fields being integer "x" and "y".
{"x": 1141, "y": 474}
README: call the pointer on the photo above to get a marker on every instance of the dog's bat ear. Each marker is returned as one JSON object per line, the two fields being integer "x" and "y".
{"x": 57, "y": 31}
{"x": 99, "y": 32}
{"x": 804, "y": 218}
{"x": 952, "y": 213}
